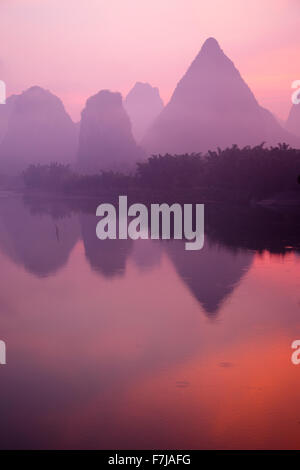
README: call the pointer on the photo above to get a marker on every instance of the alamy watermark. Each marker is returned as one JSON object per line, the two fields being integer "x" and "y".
{"x": 187, "y": 222}
{"x": 296, "y": 94}
{"x": 2, "y": 352}
{"x": 2, "y": 92}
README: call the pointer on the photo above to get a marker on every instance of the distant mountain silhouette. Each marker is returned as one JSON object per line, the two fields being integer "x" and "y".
{"x": 274, "y": 133}
{"x": 293, "y": 121}
{"x": 212, "y": 107}
{"x": 105, "y": 138}
{"x": 5, "y": 114}
{"x": 142, "y": 104}
{"x": 39, "y": 131}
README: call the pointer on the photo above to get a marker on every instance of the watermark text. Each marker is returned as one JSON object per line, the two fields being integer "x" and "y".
{"x": 296, "y": 94}
{"x": 2, "y": 352}
{"x": 2, "y": 92}
{"x": 178, "y": 221}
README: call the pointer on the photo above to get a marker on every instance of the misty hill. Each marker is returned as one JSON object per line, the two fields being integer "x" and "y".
{"x": 293, "y": 121}
{"x": 108, "y": 257}
{"x": 5, "y": 113}
{"x": 105, "y": 138}
{"x": 39, "y": 131}
{"x": 142, "y": 104}
{"x": 212, "y": 107}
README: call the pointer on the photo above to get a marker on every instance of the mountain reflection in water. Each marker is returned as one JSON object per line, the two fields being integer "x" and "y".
{"x": 141, "y": 344}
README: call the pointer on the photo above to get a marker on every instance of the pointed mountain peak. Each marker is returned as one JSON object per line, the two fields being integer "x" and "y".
{"x": 204, "y": 112}
{"x": 211, "y": 46}
{"x": 210, "y": 53}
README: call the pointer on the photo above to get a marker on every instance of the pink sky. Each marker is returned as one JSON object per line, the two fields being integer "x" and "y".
{"x": 75, "y": 48}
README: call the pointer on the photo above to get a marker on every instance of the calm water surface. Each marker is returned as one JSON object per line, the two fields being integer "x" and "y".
{"x": 123, "y": 344}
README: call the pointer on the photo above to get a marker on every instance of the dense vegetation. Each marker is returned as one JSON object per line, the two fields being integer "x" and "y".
{"x": 233, "y": 174}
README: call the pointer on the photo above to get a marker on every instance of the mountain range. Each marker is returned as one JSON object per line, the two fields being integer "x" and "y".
{"x": 212, "y": 106}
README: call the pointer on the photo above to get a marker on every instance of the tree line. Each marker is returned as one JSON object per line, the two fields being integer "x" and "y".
{"x": 233, "y": 174}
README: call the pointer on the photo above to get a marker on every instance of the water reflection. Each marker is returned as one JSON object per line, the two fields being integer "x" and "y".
{"x": 211, "y": 273}
{"x": 108, "y": 257}
{"x": 36, "y": 239}
{"x": 109, "y": 345}
{"x": 147, "y": 254}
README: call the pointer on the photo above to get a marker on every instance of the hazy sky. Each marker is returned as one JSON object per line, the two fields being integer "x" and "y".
{"x": 77, "y": 47}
